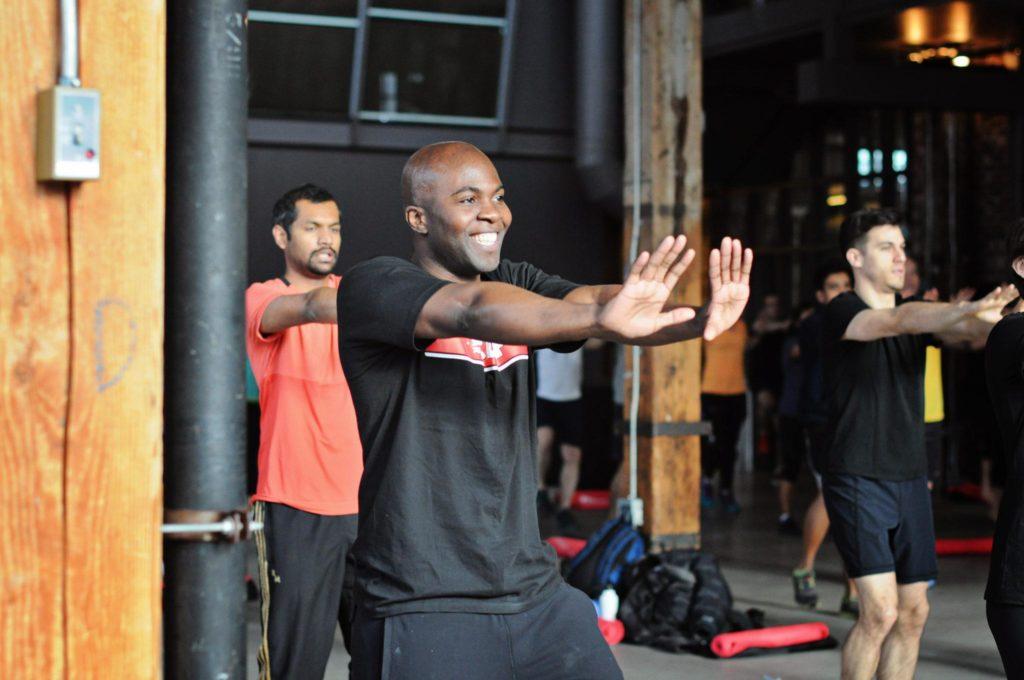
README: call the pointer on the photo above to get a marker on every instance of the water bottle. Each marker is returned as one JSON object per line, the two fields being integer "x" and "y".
{"x": 608, "y": 603}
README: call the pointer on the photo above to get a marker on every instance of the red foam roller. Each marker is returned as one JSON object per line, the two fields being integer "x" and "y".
{"x": 612, "y": 631}
{"x": 566, "y": 547}
{"x": 731, "y": 644}
{"x": 963, "y": 546}
{"x": 591, "y": 499}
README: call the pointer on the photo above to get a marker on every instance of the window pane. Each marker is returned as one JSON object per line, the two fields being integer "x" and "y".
{"x": 487, "y": 8}
{"x": 300, "y": 71}
{"x": 429, "y": 68}
{"x": 337, "y": 8}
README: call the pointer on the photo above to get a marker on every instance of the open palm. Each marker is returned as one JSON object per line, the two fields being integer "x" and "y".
{"x": 636, "y": 310}
{"x": 729, "y": 269}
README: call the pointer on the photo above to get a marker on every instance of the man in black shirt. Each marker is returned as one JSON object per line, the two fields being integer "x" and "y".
{"x": 833, "y": 279}
{"x": 452, "y": 576}
{"x": 875, "y": 480}
{"x": 1004, "y": 368}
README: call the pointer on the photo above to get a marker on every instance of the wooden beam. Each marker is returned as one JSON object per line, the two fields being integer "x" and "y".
{"x": 670, "y": 128}
{"x": 33, "y": 357}
{"x": 114, "y": 464}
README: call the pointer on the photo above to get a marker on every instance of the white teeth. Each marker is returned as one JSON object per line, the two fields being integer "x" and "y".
{"x": 486, "y": 239}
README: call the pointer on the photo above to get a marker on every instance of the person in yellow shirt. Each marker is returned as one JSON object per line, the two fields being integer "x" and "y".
{"x": 723, "y": 403}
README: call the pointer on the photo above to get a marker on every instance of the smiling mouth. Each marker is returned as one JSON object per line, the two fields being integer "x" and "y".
{"x": 486, "y": 239}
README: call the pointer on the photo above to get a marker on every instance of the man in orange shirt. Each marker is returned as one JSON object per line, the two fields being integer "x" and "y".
{"x": 310, "y": 458}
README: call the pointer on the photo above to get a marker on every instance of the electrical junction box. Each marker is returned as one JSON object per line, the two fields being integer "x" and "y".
{"x": 68, "y": 134}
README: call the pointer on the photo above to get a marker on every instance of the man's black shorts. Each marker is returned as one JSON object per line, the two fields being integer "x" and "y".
{"x": 881, "y": 526}
{"x": 565, "y": 417}
{"x": 554, "y": 640}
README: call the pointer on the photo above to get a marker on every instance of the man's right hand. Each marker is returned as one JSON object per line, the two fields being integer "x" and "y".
{"x": 636, "y": 311}
{"x": 990, "y": 307}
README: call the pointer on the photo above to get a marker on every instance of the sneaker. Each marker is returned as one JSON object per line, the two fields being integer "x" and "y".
{"x": 567, "y": 525}
{"x": 544, "y": 504}
{"x": 728, "y": 501}
{"x": 849, "y": 606}
{"x": 805, "y": 590}
{"x": 787, "y": 525}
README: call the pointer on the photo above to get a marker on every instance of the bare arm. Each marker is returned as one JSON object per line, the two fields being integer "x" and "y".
{"x": 315, "y": 306}
{"x": 499, "y": 312}
{"x": 951, "y": 322}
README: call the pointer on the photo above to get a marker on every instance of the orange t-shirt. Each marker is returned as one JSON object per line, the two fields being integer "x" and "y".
{"x": 723, "y": 362}
{"x": 310, "y": 457}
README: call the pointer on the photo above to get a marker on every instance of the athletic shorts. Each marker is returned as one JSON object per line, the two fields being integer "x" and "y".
{"x": 556, "y": 639}
{"x": 564, "y": 417}
{"x": 881, "y": 525}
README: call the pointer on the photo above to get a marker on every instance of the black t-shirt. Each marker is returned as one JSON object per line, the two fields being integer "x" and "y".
{"x": 812, "y": 388}
{"x": 447, "y": 503}
{"x": 875, "y": 396}
{"x": 1004, "y": 368}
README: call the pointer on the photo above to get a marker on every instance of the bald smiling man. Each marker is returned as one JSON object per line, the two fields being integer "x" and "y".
{"x": 453, "y": 579}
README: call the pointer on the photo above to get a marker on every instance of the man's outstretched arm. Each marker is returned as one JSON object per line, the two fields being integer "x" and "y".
{"x": 952, "y": 322}
{"x": 633, "y": 313}
{"x": 319, "y": 305}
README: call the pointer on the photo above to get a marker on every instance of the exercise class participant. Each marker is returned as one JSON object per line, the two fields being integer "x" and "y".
{"x": 310, "y": 459}
{"x": 560, "y": 415}
{"x": 875, "y": 480}
{"x": 832, "y": 278}
{"x": 452, "y": 578}
{"x": 1004, "y": 367}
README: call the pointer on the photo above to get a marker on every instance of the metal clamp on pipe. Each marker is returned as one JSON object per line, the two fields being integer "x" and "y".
{"x": 230, "y": 526}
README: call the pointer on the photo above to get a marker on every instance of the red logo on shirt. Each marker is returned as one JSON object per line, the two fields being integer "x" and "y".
{"x": 492, "y": 356}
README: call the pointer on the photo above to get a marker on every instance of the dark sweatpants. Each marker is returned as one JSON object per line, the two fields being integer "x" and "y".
{"x": 306, "y": 580}
{"x": 557, "y": 639}
{"x": 718, "y": 454}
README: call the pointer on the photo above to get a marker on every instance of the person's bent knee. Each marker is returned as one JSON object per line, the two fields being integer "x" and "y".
{"x": 879, "y": 620}
{"x": 914, "y": 616}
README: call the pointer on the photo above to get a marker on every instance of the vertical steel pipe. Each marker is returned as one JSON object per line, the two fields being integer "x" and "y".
{"x": 204, "y": 425}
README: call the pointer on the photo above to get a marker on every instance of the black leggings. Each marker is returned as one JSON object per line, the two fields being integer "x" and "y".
{"x": 718, "y": 454}
{"x": 1007, "y": 624}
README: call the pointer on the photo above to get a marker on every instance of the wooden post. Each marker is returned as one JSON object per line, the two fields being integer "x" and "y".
{"x": 114, "y": 465}
{"x": 81, "y": 360}
{"x": 669, "y": 131}
{"x": 34, "y": 358}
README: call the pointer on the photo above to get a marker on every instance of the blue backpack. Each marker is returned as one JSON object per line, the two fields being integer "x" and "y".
{"x": 600, "y": 564}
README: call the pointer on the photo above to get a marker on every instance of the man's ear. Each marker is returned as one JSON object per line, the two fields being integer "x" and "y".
{"x": 819, "y": 295}
{"x": 854, "y": 257}
{"x": 280, "y": 236}
{"x": 1018, "y": 266}
{"x": 417, "y": 219}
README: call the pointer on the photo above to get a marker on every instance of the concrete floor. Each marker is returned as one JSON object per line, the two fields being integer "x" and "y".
{"x": 756, "y": 560}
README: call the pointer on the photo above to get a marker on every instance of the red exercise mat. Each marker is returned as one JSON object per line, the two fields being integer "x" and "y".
{"x": 591, "y": 499}
{"x": 730, "y": 644}
{"x": 612, "y": 631}
{"x": 566, "y": 547}
{"x": 963, "y": 546}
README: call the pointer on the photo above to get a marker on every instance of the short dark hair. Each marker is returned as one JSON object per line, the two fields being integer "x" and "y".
{"x": 833, "y": 265}
{"x": 858, "y": 224}
{"x": 1014, "y": 250}
{"x": 284, "y": 209}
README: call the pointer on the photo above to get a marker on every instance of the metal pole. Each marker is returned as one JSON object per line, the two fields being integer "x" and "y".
{"x": 634, "y": 249}
{"x": 204, "y": 597}
{"x": 69, "y": 44}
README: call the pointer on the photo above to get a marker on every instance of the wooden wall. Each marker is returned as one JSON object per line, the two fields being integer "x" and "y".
{"x": 81, "y": 355}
